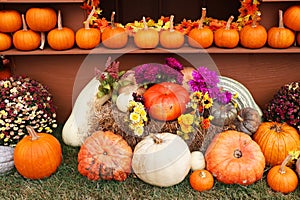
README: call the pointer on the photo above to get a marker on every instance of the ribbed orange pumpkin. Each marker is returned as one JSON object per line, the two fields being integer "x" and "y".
{"x": 41, "y": 19}
{"x": 106, "y": 156}
{"x": 146, "y": 38}
{"x": 234, "y": 158}
{"x": 5, "y": 41}
{"x": 61, "y": 38}
{"x": 25, "y": 39}
{"x": 37, "y": 155}
{"x": 87, "y": 37}
{"x": 226, "y": 37}
{"x": 201, "y": 37}
{"x": 280, "y": 37}
{"x": 10, "y": 21}
{"x": 291, "y": 17}
{"x": 114, "y": 37}
{"x": 276, "y": 140}
{"x": 171, "y": 39}
{"x": 253, "y": 36}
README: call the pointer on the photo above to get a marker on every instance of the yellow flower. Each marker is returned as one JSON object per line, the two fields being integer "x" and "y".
{"x": 196, "y": 96}
{"x": 139, "y": 130}
{"x": 207, "y": 101}
{"x": 186, "y": 128}
{"x": 2, "y": 135}
{"x": 135, "y": 117}
{"x": 236, "y": 95}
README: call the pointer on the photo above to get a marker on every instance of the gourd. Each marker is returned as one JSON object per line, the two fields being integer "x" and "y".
{"x": 61, "y": 38}
{"x": 253, "y": 35}
{"x": 171, "y": 38}
{"x": 105, "y": 156}
{"x": 26, "y": 39}
{"x": 10, "y": 21}
{"x": 197, "y": 160}
{"x": 6, "y": 159}
{"x": 224, "y": 114}
{"x": 234, "y": 158}
{"x": 161, "y": 159}
{"x": 123, "y": 100}
{"x": 291, "y": 17}
{"x": 114, "y": 37}
{"x": 280, "y": 37}
{"x": 201, "y": 37}
{"x": 226, "y": 37}
{"x": 166, "y": 101}
{"x": 247, "y": 120}
{"x": 201, "y": 180}
{"x": 5, "y": 41}
{"x": 146, "y": 38}
{"x": 276, "y": 140}
{"x": 37, "y": 155}
{"x": 87, "y": 37}
{"x": 282, "y": 178}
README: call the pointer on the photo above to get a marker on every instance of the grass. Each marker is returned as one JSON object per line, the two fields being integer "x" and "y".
{"x": 67, "y": 183}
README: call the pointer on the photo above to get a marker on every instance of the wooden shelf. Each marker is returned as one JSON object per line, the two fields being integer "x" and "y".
{"x": 41, "y": 1}
{"x": 278, "y": 0}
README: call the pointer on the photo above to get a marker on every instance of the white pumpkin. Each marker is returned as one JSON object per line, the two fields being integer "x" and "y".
{"x": 6, "y": 159}
{"x": 123, "y": 101}
{"x": 161, "y": 159}
{"x": 197, "y": 160}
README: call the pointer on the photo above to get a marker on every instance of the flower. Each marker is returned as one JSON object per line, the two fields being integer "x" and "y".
{"x": 137, "y": 117}
{"x": 24, "y": 101}
{"x": 248, "y": 9}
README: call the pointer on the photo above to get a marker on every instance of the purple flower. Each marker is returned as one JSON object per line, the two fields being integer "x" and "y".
{"x": 174, "y": 63}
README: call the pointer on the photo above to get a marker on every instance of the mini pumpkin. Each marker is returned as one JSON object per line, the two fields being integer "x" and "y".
{"x": 6, "y": 159}
{"x": 201, "y": 180}
{"x": 291, "y": 17}
{"x": 146, "y": 38}
{"x": 226, "y": 37}
{"x": 5, "y": 41}
{"x": 37, "y": 155}
{"x": 276, "y": 140}
{"x": 198, "y": 160}
{"x": 105, "y": 156}
{"x": 234, "y": 158}
{"x": 224, "y": 114}
{"x": 10, "y": 21}
{"x": 247, "y": 120}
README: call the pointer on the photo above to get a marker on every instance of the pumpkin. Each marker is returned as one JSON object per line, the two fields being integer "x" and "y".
{"x": 87, "y": 37}
{"x": 298, "y": 38}
{"x": 114, "y": 37}
{"x": 166, "y": 101}
{"x": 6, "y": 159}
{"x": 201, "y": 37}
{"x": 26, "y": 39}
{"x": 253, "y": 35}
{"x": 5, "y": 71}
{"x": 224, "y": 114}
{"x": 276, "y": 140}
{"x": 280, "y": 37}
{"x": 171, "y": 38}
{"x": 291, "y": 17}
{"x": 234, "y": 158}
{"x": 41, "y": 19}
{"x": 37, "y": 155}
{"x": 10, "y": 21}
{"x": 146, "y": 38}
{"x": 123, "y": 100}
{"x": 247, "y": 120}
{"x": 282, "y": 178}
{"x": 161, "y": 159}
{"x": 5, "y": 41}
{"x": 61, "y": 38}
{"x": 105, "y": 156}
{"x": 197, "y": 160}
{"x": 226, "y": 37}
{"x": 201, "y": 180}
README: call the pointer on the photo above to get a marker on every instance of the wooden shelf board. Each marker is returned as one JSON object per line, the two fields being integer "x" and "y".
{"x": 278, "y": 0}
{"x": 41, "y": 1}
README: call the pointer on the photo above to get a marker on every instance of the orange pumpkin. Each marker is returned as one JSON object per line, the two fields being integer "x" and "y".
{"x": 226, "y": 37}
{"x": 10, "y": 21}
{"x": 201, "y": 180}
{"x": 280, "y": 37}
{"x": 114, "y": 37}
{"x": 106, "y": 156}
{"x": 88, "y": 38}
{"x": 5, "y": 41}
{"x": 25, "y": 39}
{"x": 253, "y": 36}
{"x": 234, "y": 158}
{"x": 201, "y": 37}
{"x": 41, "y": 19}
{"x": 282, "y": 178}
{"x": 298, "y": 38}
{"x": 171, "y": 39}
{"x": 37, "y": 155}
{"x": 146, "y": 38}
{"x": 276, "y": 140}
{"x": 291, "y": 17}
{"x": 166, "y": 101}
{"x": 61, "y": 38}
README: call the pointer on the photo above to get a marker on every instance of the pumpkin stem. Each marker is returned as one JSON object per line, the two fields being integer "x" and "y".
{"x": 276, "y": 127}
{"x": 229, "y": 22}
{"x": 32, "y": 133}
{"x": 145, "y": 24}
{"x": 88, "y": 19}
{"x": 202, "y": 174}
{"x": 24, "y": 23}
{"x": 172, "y": 23}
{"x": 283, "y": 164}
{"x": 280, "y": 19}
{"x": 254, "y": 20}
{"x": 240, "y": 118}
{"x": 237, "y": 153}
{"x": 156, "y": 139}
{"x": 43, "y": 39}
{"x": 112, "y": 19}
{"x": 59, "y": 22}
{"x": 200, "y": 26}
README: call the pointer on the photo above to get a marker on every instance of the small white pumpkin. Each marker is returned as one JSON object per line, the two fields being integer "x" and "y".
{"x": 6, "y": 159}
{"x": 123, "y": 101}
{"x": 161, "y": 159}
{"x": 197, "y": 161}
